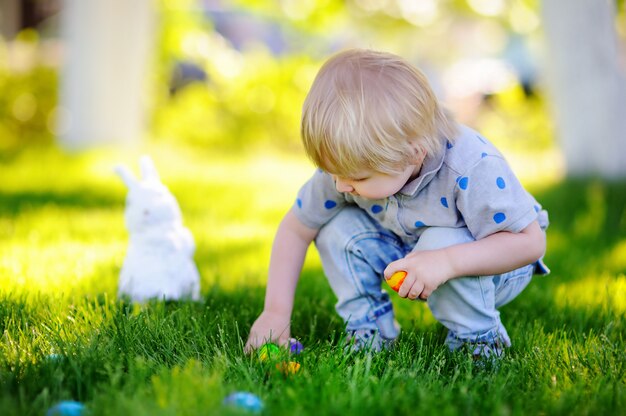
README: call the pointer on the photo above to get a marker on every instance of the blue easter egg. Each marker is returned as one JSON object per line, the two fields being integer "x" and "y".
{"x": 295, "y": 347}
{"x": 245, "y": 400}
{"x": 66, "y": 408}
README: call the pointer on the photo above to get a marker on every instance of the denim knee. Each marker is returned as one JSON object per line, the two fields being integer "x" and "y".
{"x": 439, "y": 237}
{"x": 467, "y": 306}
{"x": 464, "y": 305}
{"x": 355, "y": 251}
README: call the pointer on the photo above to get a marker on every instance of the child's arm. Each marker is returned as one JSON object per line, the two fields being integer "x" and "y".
{"x": 288, "y": 252}
{"x": 497, "y": 253}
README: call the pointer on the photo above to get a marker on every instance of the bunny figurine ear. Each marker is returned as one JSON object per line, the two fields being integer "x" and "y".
{"x": 127, "y": 177}
{"x": 148, "y": 170}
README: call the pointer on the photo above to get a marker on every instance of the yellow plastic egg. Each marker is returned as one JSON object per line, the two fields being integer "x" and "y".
{"x": 396, "y": 279}
{"x": 288, "y": 368}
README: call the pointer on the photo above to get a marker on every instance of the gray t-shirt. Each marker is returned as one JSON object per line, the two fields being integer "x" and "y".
{"x": 469, "y": 185}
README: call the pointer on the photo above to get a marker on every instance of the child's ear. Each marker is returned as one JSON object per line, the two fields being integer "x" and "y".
{"x": 419, "y": 153}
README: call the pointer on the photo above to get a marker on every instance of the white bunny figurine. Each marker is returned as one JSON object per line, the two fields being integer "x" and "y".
{"x": 159, "y": 262}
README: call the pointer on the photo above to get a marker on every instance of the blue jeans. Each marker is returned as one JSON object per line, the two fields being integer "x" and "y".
{"x": 355, "y": 250}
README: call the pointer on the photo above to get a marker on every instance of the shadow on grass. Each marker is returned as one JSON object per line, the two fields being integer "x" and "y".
{"x": 588, "y": 219}
{"x": 12, "y": 203}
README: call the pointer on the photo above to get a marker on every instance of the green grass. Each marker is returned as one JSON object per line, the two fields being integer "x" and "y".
{"x": 62, "y": 241}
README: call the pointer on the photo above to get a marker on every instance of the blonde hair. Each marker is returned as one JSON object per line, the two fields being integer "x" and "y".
{"x": 364, "y": 109}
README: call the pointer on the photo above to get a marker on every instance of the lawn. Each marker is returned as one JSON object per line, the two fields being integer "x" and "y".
{"x": 65, "y": 336}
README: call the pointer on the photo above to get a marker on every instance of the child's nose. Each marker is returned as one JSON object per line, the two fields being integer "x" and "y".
{"x": 343, "y": 186}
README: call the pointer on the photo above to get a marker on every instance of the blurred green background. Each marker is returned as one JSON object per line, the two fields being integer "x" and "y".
{"x": 231, "y": 76}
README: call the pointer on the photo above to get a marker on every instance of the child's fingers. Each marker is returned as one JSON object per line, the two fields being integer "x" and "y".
{"x": 254, "y": 342}
{"x": 248, "y": 348}
{"x": 390, "y": 270}
{"x": 406, "y": 285}
{"x": 415, "y": 290}
{"x": 284, "y": 342}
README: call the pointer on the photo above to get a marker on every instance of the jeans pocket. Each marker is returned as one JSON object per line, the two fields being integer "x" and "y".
{"x": 509, "y": 285}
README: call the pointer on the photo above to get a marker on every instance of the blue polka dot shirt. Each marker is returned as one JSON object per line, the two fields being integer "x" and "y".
{"x": 469, "y": 185}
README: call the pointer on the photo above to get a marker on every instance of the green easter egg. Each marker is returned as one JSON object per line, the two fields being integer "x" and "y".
{"x": 268, "y": 351}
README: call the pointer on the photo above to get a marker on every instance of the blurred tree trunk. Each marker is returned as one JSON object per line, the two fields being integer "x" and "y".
{"x": 588, "y": 86}
{"x": 10, "y": 16}
{"x": 107, "y": 55}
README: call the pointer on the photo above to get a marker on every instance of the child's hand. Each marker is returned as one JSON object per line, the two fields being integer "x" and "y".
{"x": 426, "y": 271}
{"x": 268, "y": 327}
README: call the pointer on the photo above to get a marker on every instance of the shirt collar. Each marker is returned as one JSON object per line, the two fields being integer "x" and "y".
{"x": 430, "y": 167}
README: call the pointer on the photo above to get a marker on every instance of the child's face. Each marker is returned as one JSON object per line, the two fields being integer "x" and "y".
{"x": 376, "y": 185}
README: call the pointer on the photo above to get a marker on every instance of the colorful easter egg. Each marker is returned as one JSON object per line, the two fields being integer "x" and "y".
{"x": 268, "y": 351}
{"x": 66, "y": 408}
{"x": 244, "y": 400}
{"x": 396, "y": 279}
{"x": 288, "y": 368}
{"x": 295, "y": 347}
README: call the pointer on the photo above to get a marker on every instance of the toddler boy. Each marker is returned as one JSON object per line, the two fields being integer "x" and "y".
{"x": 402, "y": 187}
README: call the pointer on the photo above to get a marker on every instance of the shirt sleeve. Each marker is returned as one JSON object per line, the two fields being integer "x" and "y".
{"x": 318, "y": 200}
{"x": 491, "y": 199}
